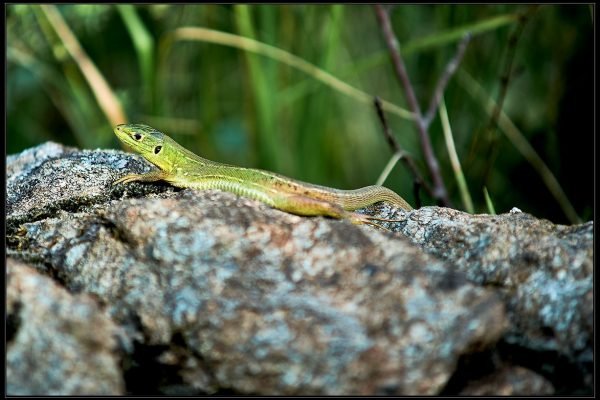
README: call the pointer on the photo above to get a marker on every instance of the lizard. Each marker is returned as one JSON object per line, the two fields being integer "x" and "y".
{"x": 184, "y": 169}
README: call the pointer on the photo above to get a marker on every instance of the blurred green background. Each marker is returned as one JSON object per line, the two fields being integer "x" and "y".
{"x": 235, "y": 106}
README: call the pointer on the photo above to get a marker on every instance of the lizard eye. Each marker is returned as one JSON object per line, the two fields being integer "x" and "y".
{"x": 157, "y": 149}
{"x": 137, "y": 136}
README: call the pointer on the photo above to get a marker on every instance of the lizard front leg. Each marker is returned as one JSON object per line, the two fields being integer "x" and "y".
{"x": 147, "y": 177}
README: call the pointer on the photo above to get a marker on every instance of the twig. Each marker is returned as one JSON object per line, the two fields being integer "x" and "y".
{"x": 386, "y": 128}
{"x": 399, "y": 154}
{"x": 397, "y": 60}
{"x": 439, "y": 190}
{"x": 443, "y": 81}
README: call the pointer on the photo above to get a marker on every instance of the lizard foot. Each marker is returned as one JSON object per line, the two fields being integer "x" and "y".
{"x": 362, "y": 219}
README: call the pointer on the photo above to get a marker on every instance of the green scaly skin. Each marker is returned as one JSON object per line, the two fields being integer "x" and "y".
{"x": 182, "y": 168}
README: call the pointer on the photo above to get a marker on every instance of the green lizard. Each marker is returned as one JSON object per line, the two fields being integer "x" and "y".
{"x": 182, "y": 168}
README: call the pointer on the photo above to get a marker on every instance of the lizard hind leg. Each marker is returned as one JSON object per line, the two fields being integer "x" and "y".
{"x": 308, "y": 206}
{"x": 304, "y": 205}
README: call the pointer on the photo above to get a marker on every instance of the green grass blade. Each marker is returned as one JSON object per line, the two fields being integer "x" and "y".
{"x": 454, "y": 161}
{"x": 367, "y": 63}
{"x": 143, "y": 44}
{"x": 456, "y": 34}
{"x": 254, "y": 46}
{"x": 105, "y": 96}
{"x": 488, "y": 202}
{"x": 518, "y": 140}
{"x": 261, "y": 82}
{"x": 320, "y": 149}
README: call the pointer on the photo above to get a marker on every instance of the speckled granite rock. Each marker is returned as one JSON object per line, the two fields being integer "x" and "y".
{"x": 57, "y": 343}
{"x": 216, "y": 293}
{"x": 510, "y": 381}
{"x": 543, "y": 271}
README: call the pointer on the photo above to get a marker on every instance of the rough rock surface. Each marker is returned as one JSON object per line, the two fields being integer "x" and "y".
{"x": 215, "y": 293}
{"x": 57, "y": 343}
{"x": 510, "y": 381}
{"x": 543, "y": 271}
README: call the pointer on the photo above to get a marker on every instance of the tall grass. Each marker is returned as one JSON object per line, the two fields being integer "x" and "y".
{"x": 290, "y": 88}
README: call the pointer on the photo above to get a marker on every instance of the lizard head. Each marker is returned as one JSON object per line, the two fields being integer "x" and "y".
{"x": 146, "y": 141}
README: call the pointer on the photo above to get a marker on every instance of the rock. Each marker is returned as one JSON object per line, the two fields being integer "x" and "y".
{"x": 542, "y": 271}
{"x": 219, "y": 294}
{"x": 49, "y": 178}
{"x": 57, "y": 343}
{"x": 510, "y": 381}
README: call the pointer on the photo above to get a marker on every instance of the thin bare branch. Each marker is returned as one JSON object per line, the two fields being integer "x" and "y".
{"x": 399, "y": 154}
{"x": 439, "y": 189}
{"x": 398, "y": 62}
{"x": 392, "y": 142}
{"x": 443, "y": 81}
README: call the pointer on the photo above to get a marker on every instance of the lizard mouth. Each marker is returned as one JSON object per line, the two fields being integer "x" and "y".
{"x": 123, "y": 135}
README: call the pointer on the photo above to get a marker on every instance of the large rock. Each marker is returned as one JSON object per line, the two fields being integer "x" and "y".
{"x": 543, "y": 272}
{"x": 215, "y": 293}
{"x": 58, "y": 343}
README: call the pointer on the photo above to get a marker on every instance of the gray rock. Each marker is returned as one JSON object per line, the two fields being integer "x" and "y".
{"x": 510, "y": 381}
{"x": 227, "y": 294}
{"x": 543, "y": 271}
{"x": 58, "y": 343}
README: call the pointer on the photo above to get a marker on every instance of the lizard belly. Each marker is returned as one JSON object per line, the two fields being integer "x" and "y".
{"x": 232, "y": 185}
